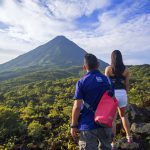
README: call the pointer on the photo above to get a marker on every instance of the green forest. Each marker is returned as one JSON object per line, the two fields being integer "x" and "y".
{"x": 35, "y": 109}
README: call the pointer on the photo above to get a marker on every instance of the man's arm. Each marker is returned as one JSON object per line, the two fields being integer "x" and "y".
{"x": 76, "y": 109}
{"x": 75, "y": 116}
{"x": 76, "y": 112}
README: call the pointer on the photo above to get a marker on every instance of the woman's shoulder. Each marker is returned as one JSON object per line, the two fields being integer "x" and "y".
{"x": 108, "y": 71}
{"x": 126, "y": 71}
{"x": 108, "y": 68}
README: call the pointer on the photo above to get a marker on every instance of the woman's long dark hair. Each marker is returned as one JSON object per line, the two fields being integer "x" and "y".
{"x": 117, "y": 64}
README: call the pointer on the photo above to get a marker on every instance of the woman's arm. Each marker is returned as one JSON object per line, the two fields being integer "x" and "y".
{"x": 107, "y": 71}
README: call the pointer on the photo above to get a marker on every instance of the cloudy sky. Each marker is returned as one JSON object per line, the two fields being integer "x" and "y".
{"x": 98, "y": 26}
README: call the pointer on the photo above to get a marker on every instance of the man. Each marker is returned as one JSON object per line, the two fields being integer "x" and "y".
{"x": 90, "y": 89}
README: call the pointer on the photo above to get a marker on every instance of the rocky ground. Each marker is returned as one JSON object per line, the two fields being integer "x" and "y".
{"x": 140, "y": 128}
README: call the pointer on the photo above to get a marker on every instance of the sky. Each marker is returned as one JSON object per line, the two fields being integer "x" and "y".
{"x": 98, "y": 26}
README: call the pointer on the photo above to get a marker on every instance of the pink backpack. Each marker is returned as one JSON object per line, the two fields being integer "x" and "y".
{"x": 106, "y": 109}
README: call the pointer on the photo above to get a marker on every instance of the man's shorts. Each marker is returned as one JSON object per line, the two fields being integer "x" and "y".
{"x": 97, "y": 139}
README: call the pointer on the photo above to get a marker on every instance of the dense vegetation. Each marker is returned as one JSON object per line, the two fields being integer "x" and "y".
{"x": 32, "y": 74}
{"x": 140, "y": 85}
{"x": 35, "y": 112}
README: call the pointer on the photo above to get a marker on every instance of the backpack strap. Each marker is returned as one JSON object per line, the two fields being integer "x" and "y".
{"x": 110, "y": 86}
{"x": 109, "y": 80}
{"x": 89, "y": 106}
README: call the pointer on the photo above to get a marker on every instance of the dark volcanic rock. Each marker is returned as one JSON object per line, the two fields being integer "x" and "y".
{"x": 141, "y": 128}
{"x": 137, "y": 114}
{"x": 123, "y": 145}
{"x": 133, "y": 146}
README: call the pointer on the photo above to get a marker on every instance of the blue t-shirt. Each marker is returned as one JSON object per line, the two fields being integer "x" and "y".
{"x": 90, "y": 88}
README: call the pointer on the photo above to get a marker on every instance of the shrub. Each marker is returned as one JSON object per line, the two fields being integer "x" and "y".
{"x": 35, "y": 130}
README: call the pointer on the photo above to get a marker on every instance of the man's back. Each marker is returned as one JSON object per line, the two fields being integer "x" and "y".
{"x": 90, "y": 88}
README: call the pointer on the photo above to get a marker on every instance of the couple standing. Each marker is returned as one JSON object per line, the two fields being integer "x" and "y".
{"x": 90, "y": 88}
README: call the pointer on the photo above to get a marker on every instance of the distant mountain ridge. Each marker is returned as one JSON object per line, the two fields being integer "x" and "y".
{"x": 59, "y": 52}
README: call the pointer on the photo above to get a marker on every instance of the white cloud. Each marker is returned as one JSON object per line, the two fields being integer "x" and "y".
{"x": 5, "y": 57}
{"x": 71, "y": 9}
{"x": 29, "y": 21}
{"x": 13, "y": 43}
{"x": 32, "y": 24}
{"x": 115, "y": 31}
{"x": 29, "y": 26}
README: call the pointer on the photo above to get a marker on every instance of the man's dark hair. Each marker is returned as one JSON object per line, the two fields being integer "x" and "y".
{"x": 91, "y": 61}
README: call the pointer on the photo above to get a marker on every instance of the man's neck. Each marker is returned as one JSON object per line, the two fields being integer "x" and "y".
{"x": 91, "y": 70}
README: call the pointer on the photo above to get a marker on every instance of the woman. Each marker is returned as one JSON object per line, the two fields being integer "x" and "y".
{"x": 120, "y": 77}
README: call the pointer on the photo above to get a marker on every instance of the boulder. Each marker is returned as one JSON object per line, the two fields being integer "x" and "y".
{"x": 123, "y": 145}
{"x": 141, "y": 128}
{"x": 127, "y": 146}
{"x": 148, "y": 109}
{"x": 137, "y": 114}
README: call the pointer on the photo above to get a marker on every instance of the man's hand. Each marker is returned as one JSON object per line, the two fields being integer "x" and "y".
{"x": 75, "y": 116}
{"x": 74, "y": 132}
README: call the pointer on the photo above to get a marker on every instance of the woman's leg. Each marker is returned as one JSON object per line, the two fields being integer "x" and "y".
{"x": 114, "y": 131}
{"x": 125, "y": 121}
